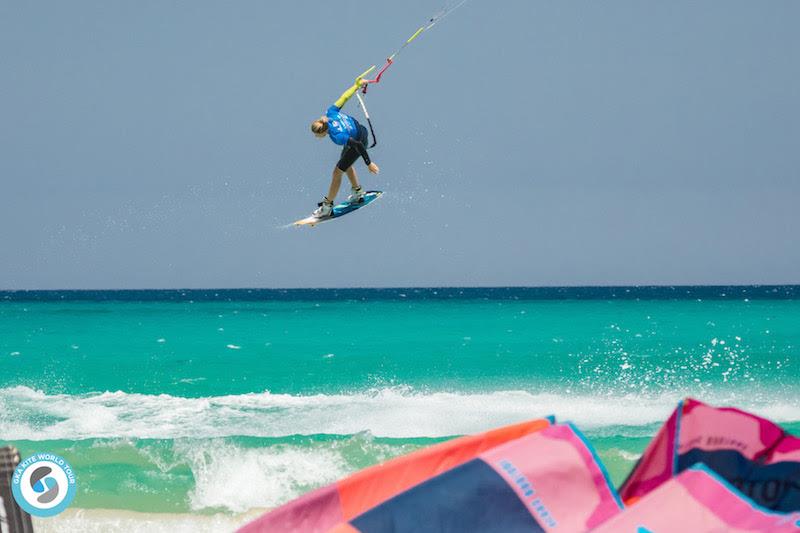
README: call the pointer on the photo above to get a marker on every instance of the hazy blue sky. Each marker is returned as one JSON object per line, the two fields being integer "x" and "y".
{"x": 163, "y": 144}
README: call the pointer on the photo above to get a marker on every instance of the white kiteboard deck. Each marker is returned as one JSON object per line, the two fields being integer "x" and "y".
{"x": 340, "y": 210}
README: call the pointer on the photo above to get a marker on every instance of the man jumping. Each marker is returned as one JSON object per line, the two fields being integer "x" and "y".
{"x": 345, "y": 131}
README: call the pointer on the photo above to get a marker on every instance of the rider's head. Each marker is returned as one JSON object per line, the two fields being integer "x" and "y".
{"x": 319, "y": 127}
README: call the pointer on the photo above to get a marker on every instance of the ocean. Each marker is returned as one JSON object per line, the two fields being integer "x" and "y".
{"x": 199, "y": 409}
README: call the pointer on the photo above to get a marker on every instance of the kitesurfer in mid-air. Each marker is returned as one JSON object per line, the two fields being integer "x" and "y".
{"x": 345, "y": 131}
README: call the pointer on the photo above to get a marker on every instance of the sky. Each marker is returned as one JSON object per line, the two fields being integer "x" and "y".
{"x": 157, "y": 144}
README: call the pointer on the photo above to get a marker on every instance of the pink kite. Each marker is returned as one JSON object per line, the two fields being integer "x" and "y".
{"x": 752, "y": 453}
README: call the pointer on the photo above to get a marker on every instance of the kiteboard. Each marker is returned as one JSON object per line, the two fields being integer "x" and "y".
{"x": 340, "y": 210}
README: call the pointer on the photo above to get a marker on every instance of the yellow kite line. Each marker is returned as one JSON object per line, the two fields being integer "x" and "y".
{"x": 430, "y": 24}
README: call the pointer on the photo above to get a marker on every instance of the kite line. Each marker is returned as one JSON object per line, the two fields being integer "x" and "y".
{"x": 433, "y": 21}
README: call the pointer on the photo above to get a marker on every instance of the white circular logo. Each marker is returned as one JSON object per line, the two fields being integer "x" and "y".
{"x": 43, "y": 484}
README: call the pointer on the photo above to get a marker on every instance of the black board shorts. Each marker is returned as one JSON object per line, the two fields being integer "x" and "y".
{"x": 350, "y": 154}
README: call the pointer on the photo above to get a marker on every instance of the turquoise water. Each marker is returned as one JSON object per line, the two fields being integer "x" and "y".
{"x": 171, "y": 401}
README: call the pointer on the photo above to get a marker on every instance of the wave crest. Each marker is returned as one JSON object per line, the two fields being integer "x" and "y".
{"x": 399, "y": 412}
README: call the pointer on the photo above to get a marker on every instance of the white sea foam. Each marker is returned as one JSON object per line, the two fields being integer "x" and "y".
{"x": 628, "y": 456}
{"x": 387, "y": 412}
{"x": 236, "y": 475}
{"x": 117, "y": 521}
{"x": 258, "y": 477}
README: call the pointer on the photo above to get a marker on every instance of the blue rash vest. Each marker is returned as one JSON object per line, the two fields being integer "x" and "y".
{"x": 341, "y": 127}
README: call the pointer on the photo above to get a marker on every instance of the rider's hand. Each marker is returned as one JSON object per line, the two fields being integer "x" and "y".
{"x": 373, "y": 168}
{"x": 361, "y": 82}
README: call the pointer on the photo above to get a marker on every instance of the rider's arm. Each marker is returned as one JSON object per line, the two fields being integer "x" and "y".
{"x": 361, "y": 149}
{"x": 348, "y": 94}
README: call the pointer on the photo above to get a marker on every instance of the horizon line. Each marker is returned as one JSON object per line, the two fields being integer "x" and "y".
{"x": 418, "y": 287}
